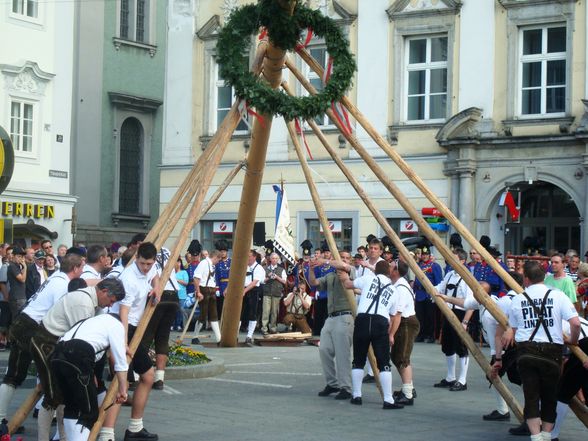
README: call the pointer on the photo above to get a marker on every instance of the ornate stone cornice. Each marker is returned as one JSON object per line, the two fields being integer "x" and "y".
{"x": 28, "y": 78}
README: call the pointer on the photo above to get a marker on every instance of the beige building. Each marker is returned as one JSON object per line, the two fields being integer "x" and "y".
{"x": 478, "y": 96}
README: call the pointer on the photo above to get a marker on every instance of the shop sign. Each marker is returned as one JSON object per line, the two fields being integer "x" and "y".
{"x": 23, "y": 209}
{"x": 336, "y": 226}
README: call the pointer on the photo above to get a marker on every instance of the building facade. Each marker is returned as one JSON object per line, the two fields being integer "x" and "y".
{"x": 36, "y": 65}
{"x": 480, "y": 97}
{"x": 118, "y": 117}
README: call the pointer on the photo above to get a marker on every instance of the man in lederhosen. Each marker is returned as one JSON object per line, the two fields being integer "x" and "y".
{"x": 205, "y": 290}
{"x": 73, "y": 363}
{"x": 76, "y": 305}
{"x": 221, "y": 273}
{"x": 451, "y": 344}
{"x": 536, "y": 320}
{"x": 406, "y": 334}
{"x": 253, "y": 278}
{"x": 377, "y": 305}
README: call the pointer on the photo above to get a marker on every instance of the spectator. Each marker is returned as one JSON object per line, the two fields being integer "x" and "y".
{"x": 273, "y": 290}
{"x": 17, "y": 276}
{"x": 61, "y": 252}
{"x": 50, "y": 264}
{"x": 571, "y": 268}
{"x": 558, "y": 278}
{"x": 182, "y": 278}
{"x": 36, "y": 274}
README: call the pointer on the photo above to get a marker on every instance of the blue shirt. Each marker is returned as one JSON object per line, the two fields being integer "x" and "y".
{"x": 484, "y": 273}
{"x": 322, "y": 271}
{"x": 221, "y": 273}
{"x": 434, "y": 273}
{"x": 182, "y": 276}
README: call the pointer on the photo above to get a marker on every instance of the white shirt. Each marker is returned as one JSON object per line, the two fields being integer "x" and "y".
{"x": 583, "y": 327}
{"x": 54, "y": 288}
{"x": 504, "y": 303}
{"x": 557, "y": 308}
{"x": 160, "y": 261}
{"x": 254, "y": 272}
{"x": 102, "y": 332}
{"x": 70, "y": 309}
{"x": 460, "y": 288}
{"x": 90, "y": 273}
{"x": 386, "y": 305}
{"x": 205, "y": 273}
{"x": 41, "y": 272}
{"x": 405, "y": 297}
{"x": 137, "y": 286}
{"x": 363, "y": 271}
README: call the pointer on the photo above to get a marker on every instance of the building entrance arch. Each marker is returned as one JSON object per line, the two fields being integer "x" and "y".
{"x": 549, "y": 219}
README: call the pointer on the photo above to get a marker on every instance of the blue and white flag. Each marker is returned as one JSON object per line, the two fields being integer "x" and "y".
{"x": 283, "y": 237}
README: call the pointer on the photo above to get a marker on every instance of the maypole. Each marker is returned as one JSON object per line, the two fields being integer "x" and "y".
{"x": 272, "y": 73}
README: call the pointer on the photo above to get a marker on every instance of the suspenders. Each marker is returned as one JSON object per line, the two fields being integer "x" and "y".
{"x": 454, "y": 288}
{"x": 540, "y": 316}
{"x": 376, "y": 300}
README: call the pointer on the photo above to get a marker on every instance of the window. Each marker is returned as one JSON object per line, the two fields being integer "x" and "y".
{"x": 543, "y": 70}
{"x": 131, "y": 141}
{"x": 134, "y": 20}
{"x": 29, "y": 8}
{"x": 224, "y": 97}
{"x": 342, "y": 232}
{"x": 320, "y": 54}
{"x": 426, "y": 78}
{"x": 22, "y": 116}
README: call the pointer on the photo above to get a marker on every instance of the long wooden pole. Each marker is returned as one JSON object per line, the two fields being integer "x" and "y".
{"x": 453, "y": 320}
{"x": 217, "y": 194}
{"x": 424, "y": 227}
{"x": 272, "y": 73}
{"x": 322, "y": 215}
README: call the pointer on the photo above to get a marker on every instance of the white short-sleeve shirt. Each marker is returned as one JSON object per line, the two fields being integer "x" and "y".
{"x": 205, "y": 273}
{"x": 254, "y": 272}
{"x": 54, "y": 288}
{"x": 522, "y": 316}
{"x": 137, "y": 287}
{"x": 386, "y": 304}
{"x": 102, "y": 332}
{"x": 453, "y": 285}
{"x": 405, "y": 295}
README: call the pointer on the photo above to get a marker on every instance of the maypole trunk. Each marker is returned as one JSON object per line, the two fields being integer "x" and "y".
{"x": 272, "y": 73}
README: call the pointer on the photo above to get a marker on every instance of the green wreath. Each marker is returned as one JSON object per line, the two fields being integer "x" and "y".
{"x": 284, "y": 31}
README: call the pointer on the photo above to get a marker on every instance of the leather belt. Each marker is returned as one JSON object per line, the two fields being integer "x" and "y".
{"x": 339, "y": 313}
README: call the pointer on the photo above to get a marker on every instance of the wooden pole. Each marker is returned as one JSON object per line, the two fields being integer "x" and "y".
{"x": 481, "y": 296}
{"x": 322, "y": 215}
{"x": 272, "y": 73}
{"x": 580, "y": 410}
{"x": 449, "y": 315}
{"x": 217, "y": 194}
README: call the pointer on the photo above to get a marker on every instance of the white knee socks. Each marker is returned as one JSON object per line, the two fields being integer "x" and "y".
{"x": 501, "y": 405}
{"x": 451, "y": 360}
{"x": 44, "y": 423}
{"x": 251, "y": 328}
{"x": 6, "y": 394}
{"x": 356, "y": 380}
{"x": 463, "y": 369}
{"x": 216, "y": 329}
{"x": 75, "y": 431}
{"x": 386, "y": 383}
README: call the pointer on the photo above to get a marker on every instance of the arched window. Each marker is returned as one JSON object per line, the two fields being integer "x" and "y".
{"x": 131, "y": 142}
